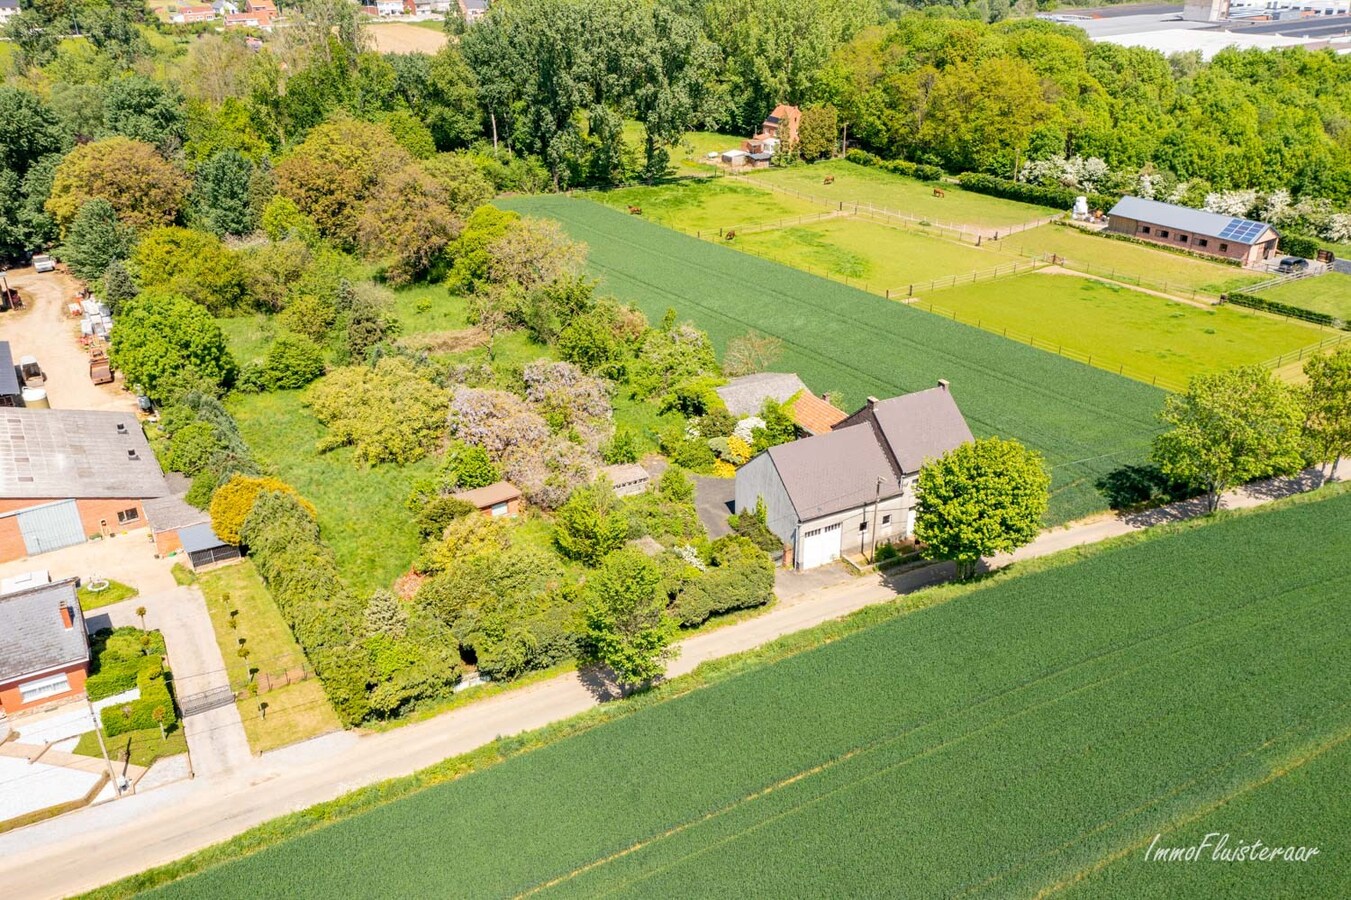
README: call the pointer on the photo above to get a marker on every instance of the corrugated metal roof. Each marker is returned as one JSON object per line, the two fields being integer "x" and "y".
{"x": 59, "y": 453}
{"x": 32, "y": 636}
{"x": 9, "y": 379}
{"x": 1186, "y": 219}
{"x": 199, "y": 537}
{"x": 171, "y": 513}
{"x": 746, "y": 395}
{"x": 833, "y": 472}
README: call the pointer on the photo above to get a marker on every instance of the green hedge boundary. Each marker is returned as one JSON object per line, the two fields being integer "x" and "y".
{"x": 1251, "y": 301}
{"x": 1055, "y": 197}
{"x": 895, "y": 166}
{"x": 1153, "y": 245}
{"x": 139, "y": 715}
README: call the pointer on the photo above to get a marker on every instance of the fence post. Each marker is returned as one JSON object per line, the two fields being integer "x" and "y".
{"x": 910, "y": 291}
{"x": 888, "y": 293}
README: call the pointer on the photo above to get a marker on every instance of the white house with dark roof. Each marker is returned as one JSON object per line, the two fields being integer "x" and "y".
{"x": 8, "y": 9}
{"x": 854, "y": 487}
{"x": 44, "y": 651}
{"x": 68, "y": 475}
{"x": 1195, "y": 230}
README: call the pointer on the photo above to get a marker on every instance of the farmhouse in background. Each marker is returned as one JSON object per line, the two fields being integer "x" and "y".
{"x": 67, "y": 475}
{"x": 745, "y": 396}
{"x": 499, "y": 499}
{"x": 1196, "y": 230}
{"x": 44, "y": 651}
{"x": 852, "y": 488}
{"x": 779, "y": 129}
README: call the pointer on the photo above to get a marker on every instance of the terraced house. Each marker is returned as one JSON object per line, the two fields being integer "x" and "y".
{"x": 70, "y": 475}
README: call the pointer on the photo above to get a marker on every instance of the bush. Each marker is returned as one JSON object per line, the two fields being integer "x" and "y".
{"x": 121, "y": 662}
{"x": 391, "y": 414}
{"x": 754, "y": 527}
{"x": 591, "y": 524}
{"x": 1055, "y": 197}
{"x": 191, "y": 448}
{"x": 1299, "y": 245}
{"x": 233, "y": 501}
{"x": 896, "y": 166}
{"x": 687, "y": 452}
{"x": 293, "y": 361}
{"x": 622, "y": 448}
{"x": 739, "y": 576}
{"x": 437, "y": 513}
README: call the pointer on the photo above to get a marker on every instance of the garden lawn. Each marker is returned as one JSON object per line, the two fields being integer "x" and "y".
{"x": 141, "y": 747}
{"x": 1329, "y": 294}
{"x": 293, "y": 713}
{"x": 1087, "y": 422}
{"x": 862, "y": 184}
{"x": 115, "y": 592}
{"x": 1152, "y": 338}
{"x": 362, "y": 511}
{"x": 708, "y": 204}
{"x": 965, "y": 749}
{"x": 258, "y": 623}
{"x": 1130, "y": 262}
{"x": 873, "y": 256}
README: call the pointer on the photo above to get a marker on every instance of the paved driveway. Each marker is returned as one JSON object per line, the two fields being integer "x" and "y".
{"x": 713, "y": 498}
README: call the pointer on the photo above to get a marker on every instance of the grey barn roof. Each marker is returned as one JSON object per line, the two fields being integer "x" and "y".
{"x": 834, "y": 471}
{"x": 1186, "y": 219}
{"x": 32, "y": 637}
{"x": 64, "y": 453}
{"x": 919, "y": 426}
{"x": 9, "y": 379}
{"x": 199, "y": 537}
{"x": 745, "y": 396}
{"x": 172, "y": 513}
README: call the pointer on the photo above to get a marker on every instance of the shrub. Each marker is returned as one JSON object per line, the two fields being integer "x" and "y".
{"x": 435, "y": 515}
{"x": 1299, "y": 245}
{"x": 390, "y": 414}
{"x": 754, "y": 527}
{"x": 591, "y": 524}
{"x": 738, "y": 576}
{"x": 622, "y": 448}
{"x": 191, "y": 448}
{"x": 293, "y": 361}
{"x": 1055, "y": 197}
{"x": 895, "y": 166}
{"x": 687, "y": 452}
{"x": 233, "y": 501}
{"x": 1252, "y": 301}
{"x": 121, "y": 662}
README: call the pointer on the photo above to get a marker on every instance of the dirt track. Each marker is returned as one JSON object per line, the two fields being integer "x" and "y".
{"x": 45, "y": 330}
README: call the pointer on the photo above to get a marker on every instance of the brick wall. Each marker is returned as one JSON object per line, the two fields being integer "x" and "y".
{"x": 92, "y": 514}
{"x": 11, "y": 700}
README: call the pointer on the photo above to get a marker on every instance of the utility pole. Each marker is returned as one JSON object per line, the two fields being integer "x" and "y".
{"x": 876, "y": 503}
{"x": 98, "y": 731}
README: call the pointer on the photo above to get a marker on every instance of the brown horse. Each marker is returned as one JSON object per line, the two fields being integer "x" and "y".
{"x": 829, "y": 179}
{"x": 729, "y": 235}
{"x": 939, "y": 192}
{"x": 635, "y": 210}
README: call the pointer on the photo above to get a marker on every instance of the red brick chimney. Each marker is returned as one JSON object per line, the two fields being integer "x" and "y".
{"x": 66, "y": 619}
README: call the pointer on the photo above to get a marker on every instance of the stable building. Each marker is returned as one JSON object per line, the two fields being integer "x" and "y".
{"x": 1212, "y": 234}
{"x": 44, "y": 651}
{"x": 69, "y": 475}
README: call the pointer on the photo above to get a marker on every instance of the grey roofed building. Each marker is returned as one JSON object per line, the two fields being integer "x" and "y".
{"x": 200, "y": 537}
{"x": 9, "y": 377}
{"x": 33, "y": 638}
{"x": 1186, "y": 219}
{"x": 832, "y": 472}
{"x": 745, "y": 396}
{"x": 52, "y": 453}
{"x": 915, "y": 427}
{"x": 172, "y": 513}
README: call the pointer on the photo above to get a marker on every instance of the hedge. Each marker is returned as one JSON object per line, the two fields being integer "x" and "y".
{"x": 1299, "y": 245}
{"x": 895, "y": 166}
{"x": 117, "y": 658}
{"x": 739, "y": 576}
{"x": 139, "y": 715}
{"x": 1281, "y": 309}
{"x": 1056, "y": 197}
{"x": 1155, "y": 245}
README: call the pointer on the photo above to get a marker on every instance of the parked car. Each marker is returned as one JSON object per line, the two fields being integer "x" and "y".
{"x": 44, "y": 263}
{"x": 1292, "y": 265}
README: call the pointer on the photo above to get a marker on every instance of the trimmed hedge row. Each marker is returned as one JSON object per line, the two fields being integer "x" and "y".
{"x": 1055, "y": 197}
{"x": 739, "y": 576}
{"x": 139, "y": 715}
{"x": 895, "y": 166}
{"x": 117, "y": 657}
{"x": 1299, "y": 245}
{"x": 1282, "y": 309}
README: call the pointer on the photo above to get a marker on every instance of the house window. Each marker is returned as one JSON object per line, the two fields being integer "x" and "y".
{"x": 886, "y": 520}
{"x": 500, "y": 509}
{"x": 1144, "y": 229}
{"x": 1224, "y": 248}
{"x": 1163, "y": 232}
{"x": 1202, "y": 242}
{"x": 44, "y": 687}
{"x": 863, "y": 526}
{"x": 128, "y": 515}
{"x": 1182, "y": 238}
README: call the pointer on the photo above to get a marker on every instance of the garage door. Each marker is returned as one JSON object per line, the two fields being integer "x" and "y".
{"x": 820, "y": 546}
{"x": 51, "y": 527}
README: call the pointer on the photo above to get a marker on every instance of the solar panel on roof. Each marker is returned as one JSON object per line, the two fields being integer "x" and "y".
{"x": 1242, "y": 230}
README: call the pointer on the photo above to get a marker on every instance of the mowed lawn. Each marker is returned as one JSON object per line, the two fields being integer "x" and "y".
{"x": 965, "y": 749}
{"x": 1329, "y": 294}
{"x": 1126, "y": 261}
{"x": 876, "y": 257}
{"x": 1086, "y": 421}
{"x": 709, "y": 204}
{"x": 362, "y": 509}
{"x": 1148, "y": 335}
{"x": 861, "y": 184}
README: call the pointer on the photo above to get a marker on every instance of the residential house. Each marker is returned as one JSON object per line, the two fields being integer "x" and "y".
{"x": 68, "y": 475}
{"x": 11, "y": 389}
{"x": 261, "y": 6}
{"x": 499, "y": 499}
{"x": 849, "y": 489}
{"x": 259, "y": 19}
{"x": 44, "y": 651}
{"x": 746, "y": 396}
{"x": 1212, "y": 234}
{"x": 627, "y": 478}
{"x": 473, "y": 10}
{"x": 187, "y": 15}
{"x": 386, "y": 8}
{"x": 780, "y": 129}
{"x": 8, "y": 9}
{"x": 225, "y": 7}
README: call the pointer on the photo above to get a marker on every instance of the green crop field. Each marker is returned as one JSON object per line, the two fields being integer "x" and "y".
{"x": 1149, "y": 336}
{"x": 1126, "y": 261}
{"x": 708, "y": 204}
{"x": 1030, "y": 735}
{"x": 878, "y": 257}
{"x": 1086, "y": 421}
{"x": 861, "y": 184}
{"x": 1329, "y": 294}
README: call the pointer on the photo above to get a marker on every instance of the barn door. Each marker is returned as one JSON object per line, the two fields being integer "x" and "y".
{"x": 51, "y": 527}
{"x": 820, "y": 546}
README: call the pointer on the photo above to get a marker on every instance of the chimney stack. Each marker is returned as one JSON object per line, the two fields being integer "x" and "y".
{"x": 66, "y": 619}
{"x": 872, "y": 401}
{"x": 942, "y": 384}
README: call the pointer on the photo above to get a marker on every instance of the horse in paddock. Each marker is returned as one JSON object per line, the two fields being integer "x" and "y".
{"x": 635, "y": 210}
{"x": 729, "y": 235}
{"x": 939, "y": 192}
{"x": 829, "y": 179}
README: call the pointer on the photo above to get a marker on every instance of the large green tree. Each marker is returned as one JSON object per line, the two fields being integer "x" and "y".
{"x": 222, "y": 197}
{"x": 95, "y": 240}
{"x": 143, "y": 187}
{"x": 591, "y": 525}
{"x": 193, "y": 264}
{"x": 1327, "y": 403}
{"x": 626, "y": 625}
{"x": 165, "y": 341}
{"x": 1229, "y": 429}
{"x": 979, "y": 499}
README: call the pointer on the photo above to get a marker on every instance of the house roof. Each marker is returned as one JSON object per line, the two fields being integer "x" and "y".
{"x": 762, "y": 156}
{"x": 493, "y": 494}
{"x": 816, "y": 415}
{"x": 1186, "y": 219}
{"x": 626, "y": 473}
{"x": 9, "y": 4}
{"x": 745, "y": 396}
{"x": 172, "y": 513}
{"x": 32, "y": 636}
{"x": 9, "y": 379}
{"x": 834, "y": 471}
{"x": 199, "y": 537}
{"x": 60, "y": 453}
{"x": 919, "y": 426}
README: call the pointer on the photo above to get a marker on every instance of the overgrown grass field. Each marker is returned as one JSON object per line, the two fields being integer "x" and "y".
{"x": 1087, "y": 422}
{"x": 861, "y": 184}
{"x": 965, "y": 749}
{"x": 878, "y": 257}
{"x": 1126, "y": 261}
{"x": 1148, "y": 335}
{"x": 708, "y": 204}
{"x": 1329, "y": 294}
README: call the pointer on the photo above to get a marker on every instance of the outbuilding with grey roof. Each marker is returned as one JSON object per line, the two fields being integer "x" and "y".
{"x": 1196, "y": 230}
